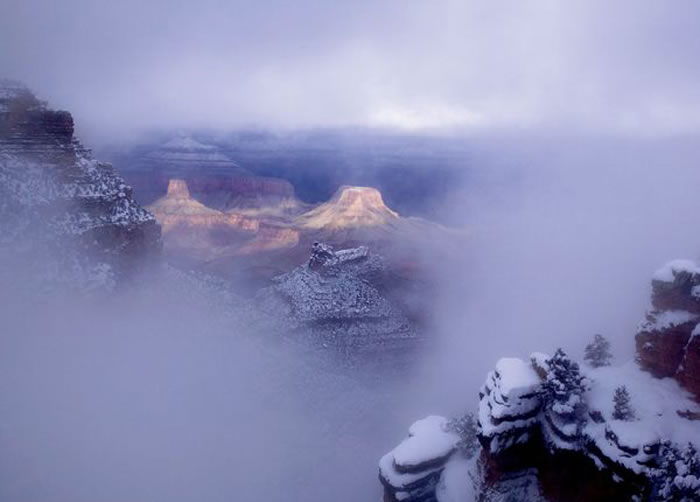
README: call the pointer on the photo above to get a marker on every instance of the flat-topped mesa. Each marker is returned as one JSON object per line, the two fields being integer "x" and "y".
{"x": 360, "y": 197}
{"x": 177, "y": 189}
{"x": 179, "y": 207}
{"x": 668, "y": 339}
{"x": 350, "y": 207}
{"x": 191, "y": 226}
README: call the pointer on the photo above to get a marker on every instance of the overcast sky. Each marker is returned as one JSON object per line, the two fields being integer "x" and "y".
{"x": 623, "y": 66}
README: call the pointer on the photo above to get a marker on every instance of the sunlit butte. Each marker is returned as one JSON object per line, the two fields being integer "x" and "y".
{"x": 321, "y": 251}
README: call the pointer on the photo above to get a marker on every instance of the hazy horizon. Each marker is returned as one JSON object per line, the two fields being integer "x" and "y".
{"x": 542, "y": 158}
{"x": 449, "y": 66}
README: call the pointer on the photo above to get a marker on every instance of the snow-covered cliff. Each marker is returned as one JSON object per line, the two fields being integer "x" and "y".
{"x": 70, "y": 216}
{"x": 668, "y": 339}
{"x": 551, "y": 429}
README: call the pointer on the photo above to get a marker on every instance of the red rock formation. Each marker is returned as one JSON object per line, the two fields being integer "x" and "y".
{"x": 668, "y": 341}
{"x": 350, "y": 207}
{"x": 224, "y": 192}
{"x": 661, "y": 351}
{"x": 189, "y": 224}
{"x": 688, "y": 374}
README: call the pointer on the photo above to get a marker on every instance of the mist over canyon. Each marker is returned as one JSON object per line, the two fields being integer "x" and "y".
{"x": 427, "y": 252}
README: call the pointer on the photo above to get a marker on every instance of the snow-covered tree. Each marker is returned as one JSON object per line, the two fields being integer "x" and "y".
{"x": 598, "y": 352}
{"x": 564, "y": 386}
{"x": 465, "y": 428}
{"x": 623, "y": 409}
{"x": 677, "y": 477}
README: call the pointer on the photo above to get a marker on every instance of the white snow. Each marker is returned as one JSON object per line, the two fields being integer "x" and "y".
{"x": 655, "y": 403}
{"x": 696, "y": 332}
{"x": 668, "y": 272}
{"x": 427, "y": 441}
{"x": 662, "y": 320}
{"x": 352, "y": 254}
{"x": 517, "y": 377}
{"x": 510, "y": 401}
{"x": 401, "y": 480}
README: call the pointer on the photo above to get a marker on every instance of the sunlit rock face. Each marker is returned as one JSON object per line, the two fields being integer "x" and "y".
{"x": 178, "y": 207}
{"x": 56, "y": 197}
{"x": 214, "y": 178}
{"x": 350, "y": 207}
{"x": 358, "y": 216}
{"x": 190, "y": 226}
{"x": 668, "y": 339}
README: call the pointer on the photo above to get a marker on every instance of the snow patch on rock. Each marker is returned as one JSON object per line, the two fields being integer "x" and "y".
{"x": 670, "y": 270}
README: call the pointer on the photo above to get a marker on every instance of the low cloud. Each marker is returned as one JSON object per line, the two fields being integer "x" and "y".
{"x": 625, "y": 67}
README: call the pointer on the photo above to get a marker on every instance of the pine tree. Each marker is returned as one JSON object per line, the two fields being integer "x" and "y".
{"x": 564, "y": 386}
{"x": 465, "y": 428}
{"x": 598, "y": 352}
{"x": 677, "y": 477}
{"x": 623, "y": 409}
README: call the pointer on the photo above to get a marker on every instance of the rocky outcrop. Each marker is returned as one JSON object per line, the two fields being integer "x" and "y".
{"x": 668, "y": 339}
{"x": 588, "y": 457}
{"x": 192, "y": 228}
{"x": 335, "y": 301}
{"x": 412, "y": 470}
{"x": 350, "y": 207}
{"x": 551, "y": 430}
{"x": 213, "y": 176}
{"x": 510, "y": 407}
{"x": 527, "y": 453}
{"x": 179, "y": 208}
{"x": 55, "y": 196}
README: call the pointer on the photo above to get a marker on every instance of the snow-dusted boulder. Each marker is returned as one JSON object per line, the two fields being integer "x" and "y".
{"x": 509, "y": 404}
{"x": 411, "y": 471}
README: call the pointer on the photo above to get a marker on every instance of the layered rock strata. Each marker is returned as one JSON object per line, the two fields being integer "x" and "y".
{"x": 550, "y": 430}
{"x": 668, "y": 339}
{"x": 55, "y": 197}
{"x": 335, "y": 301}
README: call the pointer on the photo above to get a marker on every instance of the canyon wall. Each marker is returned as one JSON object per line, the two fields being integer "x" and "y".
{"x": 56, "y": 197}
